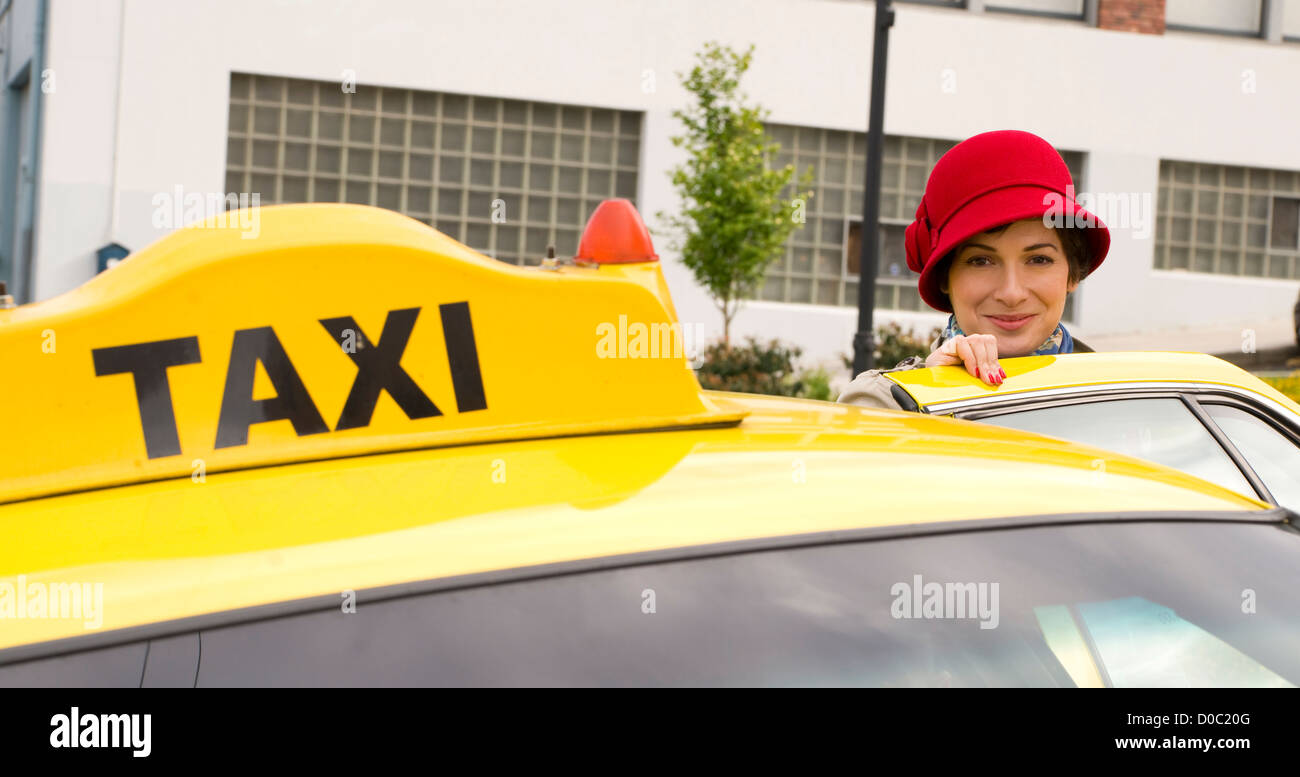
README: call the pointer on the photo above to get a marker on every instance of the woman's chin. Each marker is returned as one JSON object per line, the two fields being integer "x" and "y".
{"x": 1020, "y": 343}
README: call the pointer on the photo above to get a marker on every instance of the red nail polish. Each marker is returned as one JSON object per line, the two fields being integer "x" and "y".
{"x": 977, "y": 372}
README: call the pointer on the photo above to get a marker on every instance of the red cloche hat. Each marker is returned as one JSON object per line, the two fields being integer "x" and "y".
{"x": 985, "y": 181}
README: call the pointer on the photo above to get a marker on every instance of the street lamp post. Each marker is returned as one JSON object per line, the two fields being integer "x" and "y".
{"x": 868, "y": 257}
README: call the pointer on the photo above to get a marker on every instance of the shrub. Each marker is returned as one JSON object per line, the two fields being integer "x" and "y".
{"x": 816, "y": 384}
{"x": 752, "y": 368}
{"x": 1289, "y": 385}
{"x": 893, "y": 345}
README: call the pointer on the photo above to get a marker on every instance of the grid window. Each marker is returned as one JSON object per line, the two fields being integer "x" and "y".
{"x": 1238, "y": 17}
{"x": 506, "y": 177}
{"x": 1291, "y": 20}
{"x": 1285, "y": 230}
{"x": 820, "y": 264}
{"x": 1064, "y": 9}
{"x": 1228, "y": 220}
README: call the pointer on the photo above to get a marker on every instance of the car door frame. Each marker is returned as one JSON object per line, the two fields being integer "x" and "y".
{"x": 1192, "y": 395}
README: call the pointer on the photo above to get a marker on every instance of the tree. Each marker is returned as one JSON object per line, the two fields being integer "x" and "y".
{"x": 734, "y": 221}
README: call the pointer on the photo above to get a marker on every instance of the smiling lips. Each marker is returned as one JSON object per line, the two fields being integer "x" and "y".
{"x": 1011, "y": 323}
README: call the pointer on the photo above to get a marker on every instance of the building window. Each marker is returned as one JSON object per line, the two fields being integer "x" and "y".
{"x": 820, "y": 265}
{"x": 1284, "y": 233}
{"x": 1061, "y": 9}
{"x": 1233, "y": 17}
{"x": 1291, "y": 20}
{"x": 1227, "y": 220}
{"x": 444, "y": 159}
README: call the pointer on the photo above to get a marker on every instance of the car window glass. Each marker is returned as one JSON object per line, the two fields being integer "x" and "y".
{"x": 1159, "y": 429}
{"x": 1137, "y": 643}
{"x": 1085, "y": 605}
{"x": 112, "y": 667}
{"x": 1273, "y": 457}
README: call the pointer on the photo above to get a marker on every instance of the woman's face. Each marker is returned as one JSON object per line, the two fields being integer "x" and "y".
{"x": 1011, "y": 285}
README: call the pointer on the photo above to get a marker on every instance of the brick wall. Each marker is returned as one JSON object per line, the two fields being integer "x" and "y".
{"x": 1146, "y": 16}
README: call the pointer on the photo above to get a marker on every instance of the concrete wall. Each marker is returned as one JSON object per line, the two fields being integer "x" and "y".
{"x": 76, "y": 197}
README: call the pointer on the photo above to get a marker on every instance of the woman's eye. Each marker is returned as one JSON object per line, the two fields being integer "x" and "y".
{"x": 1044, "y": 259}
{"x": 978, "y": 260}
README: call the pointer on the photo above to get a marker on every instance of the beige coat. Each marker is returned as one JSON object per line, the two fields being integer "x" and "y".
{"x": 873, "y": 389}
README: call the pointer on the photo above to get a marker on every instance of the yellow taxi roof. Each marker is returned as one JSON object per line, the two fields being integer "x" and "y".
{"x": 937, "y": 385}
{"x": 176, "y": 548}
{"x": 131, "y": 469}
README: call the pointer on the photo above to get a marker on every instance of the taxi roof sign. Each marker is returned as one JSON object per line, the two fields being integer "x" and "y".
{"x": 341, "y": 330}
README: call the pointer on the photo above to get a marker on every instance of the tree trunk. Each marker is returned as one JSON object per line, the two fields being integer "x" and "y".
{"x": 728, "y": 313}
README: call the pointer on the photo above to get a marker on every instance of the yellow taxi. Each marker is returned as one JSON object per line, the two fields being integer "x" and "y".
{"x": 1190, "y": 411}
{"x": 352, "y": 451}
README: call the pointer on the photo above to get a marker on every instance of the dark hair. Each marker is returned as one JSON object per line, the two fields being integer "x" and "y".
{"x": 1078, "y": 253}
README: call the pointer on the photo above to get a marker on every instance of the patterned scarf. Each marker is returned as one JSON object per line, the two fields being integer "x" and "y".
{"x": 1059, "y": 341}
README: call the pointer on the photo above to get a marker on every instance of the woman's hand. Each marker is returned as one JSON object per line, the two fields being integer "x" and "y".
{"x": 978, "y": 353}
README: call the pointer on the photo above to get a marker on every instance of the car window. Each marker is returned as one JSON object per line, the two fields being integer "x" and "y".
{"x": 112, "y": 667}
{"x": 1159, "y": 429}
{"x": 169, "y": 662}
{"x": 1114, "y": 604}
{"x": 1273, "y": 457}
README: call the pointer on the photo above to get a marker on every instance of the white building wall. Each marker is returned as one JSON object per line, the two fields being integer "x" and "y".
{"x": 1128, "y": 100}
{"x": 76, "y": 195}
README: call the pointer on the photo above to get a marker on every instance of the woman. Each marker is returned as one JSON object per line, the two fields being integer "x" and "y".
{"x": 999, "y": 243}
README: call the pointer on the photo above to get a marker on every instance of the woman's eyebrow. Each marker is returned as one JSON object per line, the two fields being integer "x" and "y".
{"x": 1037, "y": 246}
{"x": 981, "y": 245}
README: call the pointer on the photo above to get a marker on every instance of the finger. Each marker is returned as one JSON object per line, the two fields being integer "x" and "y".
{"x": 952, "y": 349}
{"x": 946, "y": 354}
{"x": 985, "y": 348}
{"x": 967, "y": 354}
{"x": 995, "y": 366}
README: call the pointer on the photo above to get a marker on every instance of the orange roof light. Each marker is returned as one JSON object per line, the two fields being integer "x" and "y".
{"x": 615, "y": 235}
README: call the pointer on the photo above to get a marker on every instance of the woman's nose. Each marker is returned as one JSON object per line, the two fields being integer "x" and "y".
{"x": 1011, "y": 290}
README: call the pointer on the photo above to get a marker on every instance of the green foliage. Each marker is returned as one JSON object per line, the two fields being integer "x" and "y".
{"x": 752, "y": 368}
{"x": 893, "y": 345}
{"x": 816, "y": 384}
{"x": 1289, "y": 385}
{"x": 734, "y": 222}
